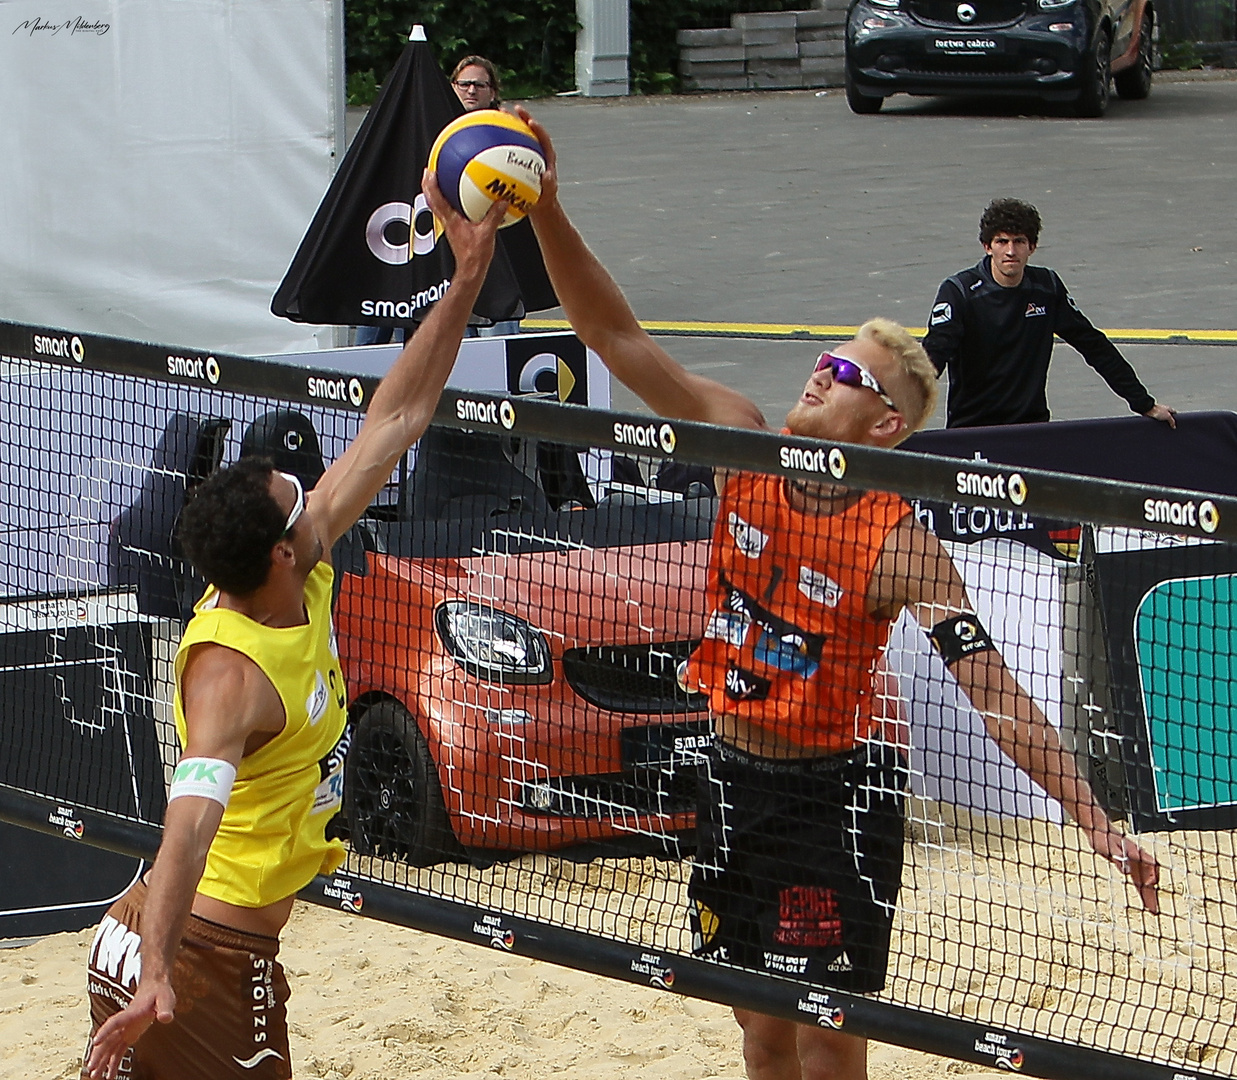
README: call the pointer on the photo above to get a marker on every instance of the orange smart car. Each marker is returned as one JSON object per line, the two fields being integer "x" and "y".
{"x": 510, "y": 635}
{"x": 511, "y": 645}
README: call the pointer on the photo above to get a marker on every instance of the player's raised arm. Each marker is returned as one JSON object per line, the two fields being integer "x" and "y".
{"x": 604, "y": 321}
{"x": 915, "y": 570}
{"x": 405, "y": 401}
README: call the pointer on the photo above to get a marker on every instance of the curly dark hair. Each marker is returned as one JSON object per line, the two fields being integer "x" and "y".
{"x": 229, "y": 525}
{"x": 1010, "y": 216}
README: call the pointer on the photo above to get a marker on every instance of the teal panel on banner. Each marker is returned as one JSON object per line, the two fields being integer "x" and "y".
{"x": 1186, "y": 635}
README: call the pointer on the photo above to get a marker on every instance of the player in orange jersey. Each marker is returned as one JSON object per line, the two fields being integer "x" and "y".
{"x": 800, "y": 818}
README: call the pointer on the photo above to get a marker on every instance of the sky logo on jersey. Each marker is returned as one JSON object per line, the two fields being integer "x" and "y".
{"x": 329, "y": 794}
{"x": 748, "y": 539}
{"x": 1034, "y": 310}
{"x": 744, "y": 685}
{"x": 942, "y": 313}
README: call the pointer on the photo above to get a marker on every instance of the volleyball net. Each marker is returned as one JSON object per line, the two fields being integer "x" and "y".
{"x": 739, "y": 715}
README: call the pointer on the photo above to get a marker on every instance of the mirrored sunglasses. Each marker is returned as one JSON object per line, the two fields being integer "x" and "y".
{"x": 848, "y": 373}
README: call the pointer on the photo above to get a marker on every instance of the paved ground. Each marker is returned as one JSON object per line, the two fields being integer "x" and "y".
{"x": 785, "y": 207}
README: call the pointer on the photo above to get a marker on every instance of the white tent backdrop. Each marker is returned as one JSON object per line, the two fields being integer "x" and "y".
{"x": 160, "y": 161}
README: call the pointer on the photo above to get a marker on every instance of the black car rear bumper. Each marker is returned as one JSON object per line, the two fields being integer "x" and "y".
{"x": 905, "y": 56}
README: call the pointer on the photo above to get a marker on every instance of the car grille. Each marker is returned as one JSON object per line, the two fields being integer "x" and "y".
{"x": 986, "y": 66}
{"x": 988, "y": 13}
{"x": 632, "y": 678}
{"x": 611, "y": 797}
{"x": 660, "y": 766}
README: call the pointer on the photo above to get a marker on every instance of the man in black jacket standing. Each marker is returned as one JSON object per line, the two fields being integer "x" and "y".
{"x": 992, "y": 327}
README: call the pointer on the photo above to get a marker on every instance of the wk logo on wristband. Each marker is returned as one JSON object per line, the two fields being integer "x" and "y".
{"x": 195, "y": 770}
{"x": 203, "y": 778}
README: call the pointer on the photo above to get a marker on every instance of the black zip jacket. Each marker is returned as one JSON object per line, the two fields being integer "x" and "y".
{"x": 996, "y": 343}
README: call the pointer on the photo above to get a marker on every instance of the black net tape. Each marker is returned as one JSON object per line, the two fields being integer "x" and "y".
{"x": 615, "y": 709}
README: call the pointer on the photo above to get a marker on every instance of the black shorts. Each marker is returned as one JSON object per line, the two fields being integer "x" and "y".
{"x": 799, "y": 863}
{"x": 231, "y": 995}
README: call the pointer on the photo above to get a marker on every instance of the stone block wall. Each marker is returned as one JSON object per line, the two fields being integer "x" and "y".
{"x": 777, "y": 50}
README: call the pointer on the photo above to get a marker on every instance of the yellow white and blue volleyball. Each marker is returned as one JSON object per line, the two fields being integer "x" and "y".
{"x": 487, "y": 155}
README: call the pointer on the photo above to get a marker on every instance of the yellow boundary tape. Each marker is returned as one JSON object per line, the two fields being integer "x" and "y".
{"x": 793, "y": 332}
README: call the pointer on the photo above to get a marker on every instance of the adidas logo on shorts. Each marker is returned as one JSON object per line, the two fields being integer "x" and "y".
{"x": 841, "y": 963}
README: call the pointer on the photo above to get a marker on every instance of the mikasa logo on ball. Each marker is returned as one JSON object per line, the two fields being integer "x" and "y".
{"x": 488, "y": 156}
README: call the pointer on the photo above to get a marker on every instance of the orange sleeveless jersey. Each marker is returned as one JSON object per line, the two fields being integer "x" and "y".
{"x": 789, "y": 646}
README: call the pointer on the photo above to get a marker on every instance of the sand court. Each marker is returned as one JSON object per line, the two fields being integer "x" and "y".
{"x": 1007, "y": 923}
{"x": 371, "y": 1001}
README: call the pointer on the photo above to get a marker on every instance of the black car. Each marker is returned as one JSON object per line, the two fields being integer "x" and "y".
{"x": 1069, "y": 51}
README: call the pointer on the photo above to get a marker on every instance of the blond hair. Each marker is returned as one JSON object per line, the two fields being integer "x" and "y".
{"x": 917, "y": 373}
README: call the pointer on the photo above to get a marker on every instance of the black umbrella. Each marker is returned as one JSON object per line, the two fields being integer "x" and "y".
{"x": 370, "y": 257}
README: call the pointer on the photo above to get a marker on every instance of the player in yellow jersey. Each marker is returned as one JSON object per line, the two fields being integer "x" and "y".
{"x": 260, "y": 712}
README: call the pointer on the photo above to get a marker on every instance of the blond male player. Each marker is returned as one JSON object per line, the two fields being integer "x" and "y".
{"x": 800, "y": 841}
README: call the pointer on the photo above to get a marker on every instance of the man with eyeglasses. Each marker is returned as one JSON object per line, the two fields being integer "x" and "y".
{"x": 476, "y": 84}
{"x": 992, "y": 328}
{"x": 260, "y": 709}
{"x": 799, "y": 821}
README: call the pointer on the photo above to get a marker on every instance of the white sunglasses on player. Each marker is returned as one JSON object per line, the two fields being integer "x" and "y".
{"x": 298, "y": 507}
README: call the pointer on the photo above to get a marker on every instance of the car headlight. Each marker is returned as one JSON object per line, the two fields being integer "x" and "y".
{"x": 492, "y": 644}
{"x": 1052, "y": 5}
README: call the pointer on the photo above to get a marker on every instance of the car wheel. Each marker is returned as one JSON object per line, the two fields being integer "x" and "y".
{"x": 1095, "y": 78}
{"x": 1134, "y": 83}
{"x": 392, "y": 798}
{"x": 861, "y": 103}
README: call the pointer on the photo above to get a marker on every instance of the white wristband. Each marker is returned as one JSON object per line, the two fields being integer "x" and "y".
{"x": 203, "y": 777}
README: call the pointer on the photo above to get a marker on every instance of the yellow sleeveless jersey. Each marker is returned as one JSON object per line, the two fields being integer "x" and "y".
{"x": 272, "y": 839}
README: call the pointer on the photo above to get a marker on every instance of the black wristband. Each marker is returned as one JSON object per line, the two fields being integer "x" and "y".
{"x": 959, "y": 636}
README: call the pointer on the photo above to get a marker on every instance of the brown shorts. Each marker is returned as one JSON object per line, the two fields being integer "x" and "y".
{"x": 231, "y": 997}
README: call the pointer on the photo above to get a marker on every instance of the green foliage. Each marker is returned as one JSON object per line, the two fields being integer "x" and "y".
{"x": 1181, "y": 56}
{"x": 532, "y": 42}
{"x": 362, "y": 87}
{"x": 1182, "y": 21}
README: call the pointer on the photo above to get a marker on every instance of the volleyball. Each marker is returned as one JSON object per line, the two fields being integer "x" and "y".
{"x": 484, "y": 156}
